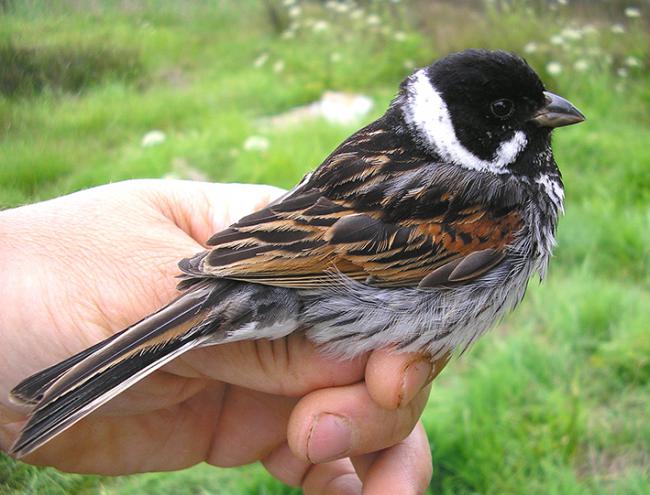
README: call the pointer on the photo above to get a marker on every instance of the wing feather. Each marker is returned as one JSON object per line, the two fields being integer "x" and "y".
{"x": 370, "y": 213}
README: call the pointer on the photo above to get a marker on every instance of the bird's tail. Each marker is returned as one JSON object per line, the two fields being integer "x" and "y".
{"x": 68, "y": 391}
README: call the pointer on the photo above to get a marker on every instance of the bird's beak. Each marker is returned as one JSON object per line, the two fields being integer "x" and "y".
{"x": 557, "y": 112}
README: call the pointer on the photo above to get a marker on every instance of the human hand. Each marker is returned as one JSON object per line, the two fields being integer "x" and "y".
{"x": 81, "y": 267}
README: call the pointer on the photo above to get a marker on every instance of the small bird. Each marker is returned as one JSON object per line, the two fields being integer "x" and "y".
{"x": 417, "y": 232}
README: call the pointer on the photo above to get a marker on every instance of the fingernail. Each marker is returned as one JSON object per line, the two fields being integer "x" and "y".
{"x": 330, "y": 437}
{"x": 416, "y": 376}
{"x": 439, "y": 365}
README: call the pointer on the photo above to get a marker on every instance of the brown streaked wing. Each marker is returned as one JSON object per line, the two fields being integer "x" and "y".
{"x": 301, "y": 241}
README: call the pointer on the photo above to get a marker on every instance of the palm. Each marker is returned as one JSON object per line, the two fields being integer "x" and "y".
{"x": 229, "y": 404}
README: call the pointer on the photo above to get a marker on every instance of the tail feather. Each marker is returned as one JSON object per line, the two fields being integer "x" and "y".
{"x": 53, "y": 417}
{"x": 30, "y": 391}
{"x": 68, "y": 392}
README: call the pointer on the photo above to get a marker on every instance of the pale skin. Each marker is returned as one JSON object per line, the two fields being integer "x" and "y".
{"x": 79, "y": 268}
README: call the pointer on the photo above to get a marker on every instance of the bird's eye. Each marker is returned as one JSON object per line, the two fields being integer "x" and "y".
{"x": 502, "y": 108}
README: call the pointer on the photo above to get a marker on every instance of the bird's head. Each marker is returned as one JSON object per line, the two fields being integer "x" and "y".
{"x": 482, "y": 109}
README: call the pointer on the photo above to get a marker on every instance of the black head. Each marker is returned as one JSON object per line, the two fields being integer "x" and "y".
{"x": 489, "y": 96}
{"x": 480, "y": 108}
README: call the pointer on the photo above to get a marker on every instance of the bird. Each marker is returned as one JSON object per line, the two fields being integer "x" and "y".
{"x": 417, "y": 232}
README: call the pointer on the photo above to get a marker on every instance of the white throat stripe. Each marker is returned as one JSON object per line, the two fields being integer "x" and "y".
{"x": 427, "y": 113}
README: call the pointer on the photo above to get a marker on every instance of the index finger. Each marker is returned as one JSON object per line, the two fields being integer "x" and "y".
{"x": 404, "y": 468}
{"x": 394, "y": 378}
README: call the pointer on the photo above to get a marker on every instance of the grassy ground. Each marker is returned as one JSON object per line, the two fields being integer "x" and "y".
{"x": 556, "y": 399}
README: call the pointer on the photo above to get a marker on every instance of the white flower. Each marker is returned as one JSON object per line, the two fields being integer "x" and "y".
{"x": 589, "y": 29}
{"x": 356, "y": 14}
{"x": 152, "y": 138}
{"x": 261, "y": 60}
{"x": 278, "y": 66}
{"x": 554, "y": 68}
{"x": 632, "y": 12}
{"x": 400, "y": 36}
{"x": 295, "y": 11}
{"x": 343, "y": 8}
{"x": 373, "y": 20}
{"x": 562, "y": 2}
{"x": 632, "y": 61}
{"x": 622, "y": 72}
{"x": 571, "y": 34}
{"x": 338, "y": 7}
{"x": 557, "y": 39}
{"x": 530, "y": 47}
{"x": 288, "y": 34}
{"x": 581, "y": 65}
{"x": 617, "y": 28}
{"x": 320, "y": 26}
{"x": 288, "y": 3}
{"x": 256, "y": 143}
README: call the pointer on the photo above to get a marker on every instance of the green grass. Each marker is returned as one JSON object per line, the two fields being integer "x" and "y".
{"x": 556, "y": 399}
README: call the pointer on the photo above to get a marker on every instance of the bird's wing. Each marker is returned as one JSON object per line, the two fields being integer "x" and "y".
{"x": 301, "y": 241}
{"x": 373, "y": 212}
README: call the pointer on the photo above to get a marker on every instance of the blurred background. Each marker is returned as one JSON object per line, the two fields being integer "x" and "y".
{"x": 556, "y": 399}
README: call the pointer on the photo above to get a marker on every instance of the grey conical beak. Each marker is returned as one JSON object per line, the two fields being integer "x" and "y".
{"x": 557, "y": 112}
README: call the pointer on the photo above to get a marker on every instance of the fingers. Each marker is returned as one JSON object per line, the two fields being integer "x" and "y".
{"x": 251, "y": 425}
{"x": 167, "y": 439}
{"x": 336, "y": 477}
{"x": 286, "y": 466}
{"x": 404, "y": 468}
{"x": 395, "y": 378}
{"x": 339, "y": 422}
{"x": 290, "y": 366}
{"x": 332, "y": 478}
{"x": 157, "y": 391}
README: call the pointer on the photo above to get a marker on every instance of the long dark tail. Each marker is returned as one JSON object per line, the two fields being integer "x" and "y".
{"x": 68, "y": 391}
